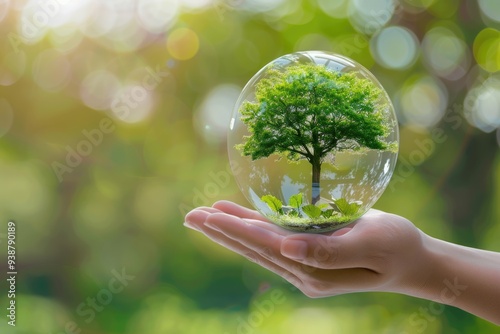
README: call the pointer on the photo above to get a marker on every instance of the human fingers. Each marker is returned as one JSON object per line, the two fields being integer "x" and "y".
{"x": 208, "y": 209}
{"x": 248, "y": 233}
{"x": 316, "y": 281}
{"x": 261, "y": 240}
{"x": 322, "y": 283}
{"x": 250, "y": 216}
{"x": 197, "y": 219}
{"x": 253, "y": 257}
{"x": 238, "y": 210}
{"x": 270, "y": 227}
{"x": 254, "y": 242}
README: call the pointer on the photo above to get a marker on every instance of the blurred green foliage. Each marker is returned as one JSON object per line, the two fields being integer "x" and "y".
{"x": 92, "y": 198}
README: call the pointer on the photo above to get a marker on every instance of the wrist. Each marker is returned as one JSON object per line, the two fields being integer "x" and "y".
{"x": 439, "y": 282}
{"x": 424, "y": 270}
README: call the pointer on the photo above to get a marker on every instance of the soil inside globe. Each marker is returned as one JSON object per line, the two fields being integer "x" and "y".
{"x": 313, "y": 227}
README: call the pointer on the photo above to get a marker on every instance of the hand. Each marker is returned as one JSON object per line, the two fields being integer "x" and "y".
{"x": 378, "y": 252}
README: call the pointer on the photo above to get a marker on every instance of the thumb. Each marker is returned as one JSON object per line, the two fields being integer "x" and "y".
{"x": 336, "y": 251}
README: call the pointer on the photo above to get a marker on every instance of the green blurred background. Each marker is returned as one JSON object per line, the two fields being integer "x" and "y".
{"x": 113, "y": 118}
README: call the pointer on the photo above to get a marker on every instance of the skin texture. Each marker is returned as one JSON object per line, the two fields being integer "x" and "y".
{"x": 379, "y": 252}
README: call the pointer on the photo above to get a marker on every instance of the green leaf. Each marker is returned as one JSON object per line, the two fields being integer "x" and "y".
{"x": 273, "y": 203}
{"x": 341, "y": 204}
{"x": 311, "y": 210}
{"x": 296, "y": 201}
{"x": 322, "y": 206}
{"x": 346, "y": 208}
{"x": 328, "y": 213}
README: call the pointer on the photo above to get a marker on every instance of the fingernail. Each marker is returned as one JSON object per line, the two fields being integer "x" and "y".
{"x": 294, "y": 249}
{"x": 191, "y": 226}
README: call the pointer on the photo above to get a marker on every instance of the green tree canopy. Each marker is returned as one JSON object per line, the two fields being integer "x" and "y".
{"x": 307, "y": 111}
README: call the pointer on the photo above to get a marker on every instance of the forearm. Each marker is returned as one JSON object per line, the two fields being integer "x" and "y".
{"x": 463, "y": 277}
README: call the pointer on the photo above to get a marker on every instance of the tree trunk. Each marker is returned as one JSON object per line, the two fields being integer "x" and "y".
{"x": 316, "y": 173}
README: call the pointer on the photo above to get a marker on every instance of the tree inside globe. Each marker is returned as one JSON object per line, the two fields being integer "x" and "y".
{"x": 316, "y": 137}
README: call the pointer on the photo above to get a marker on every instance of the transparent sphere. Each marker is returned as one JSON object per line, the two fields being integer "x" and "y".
{"x": 313, "y": 141}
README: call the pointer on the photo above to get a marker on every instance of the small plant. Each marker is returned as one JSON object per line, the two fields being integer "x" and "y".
{"x": 321, "y": 216}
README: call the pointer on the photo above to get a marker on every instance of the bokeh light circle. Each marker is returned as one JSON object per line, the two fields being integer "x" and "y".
{"x": 104, "y": 18}
{"x": 334, "y": 8}
{"x": 157, "y": 15}
{"x": 196, "y": 4}
{"x": 422, "y": 101}
{"x": 51, "y": 70}
{"x": 213, "y": 115}
{"x": 133, "y": 103}
{"x": 490, "y": 8}
{"x": 98, "y": 89}
{"x": 259, "y": 6}
{"x": 310, "y": 86}
{"x": 445, "y": 53}
{"x": 369, "y": 16}
{"x": 416, "y": 6}
{"x": 482, "y": 105}
{"x": 34, "y": 22}
{"x": 66, "y": 39}
{"x": 183, "y": 43}
{"x": 395, "y": 47}
{"x": 4, "y": 9}
{"x": 487, "y": 49}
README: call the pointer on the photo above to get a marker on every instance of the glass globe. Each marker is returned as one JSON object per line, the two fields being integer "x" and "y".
{"x": 313, "y": 141}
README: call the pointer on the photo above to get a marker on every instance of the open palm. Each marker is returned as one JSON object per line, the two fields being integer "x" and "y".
{"x": 375, "y": 253}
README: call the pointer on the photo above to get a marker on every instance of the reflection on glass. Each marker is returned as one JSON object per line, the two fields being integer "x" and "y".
{"x": 275, "y": 147}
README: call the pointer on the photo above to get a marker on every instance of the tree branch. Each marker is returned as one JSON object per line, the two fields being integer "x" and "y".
{"x": 307, "y": 149}
{"x": 291, "y": 149}
{"x": 299, "y": 133}
{"x": 287, "y": 120}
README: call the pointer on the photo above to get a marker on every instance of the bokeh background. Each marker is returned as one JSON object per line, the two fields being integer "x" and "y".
{"x": 113, "y": 118}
